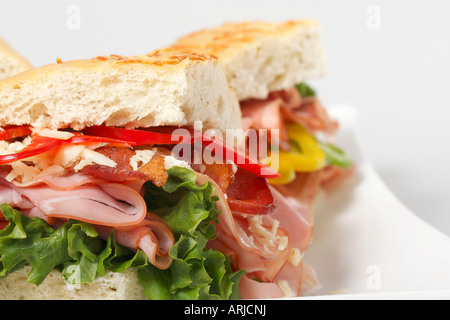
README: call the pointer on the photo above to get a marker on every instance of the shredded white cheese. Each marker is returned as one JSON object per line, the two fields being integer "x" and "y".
{"x": 267, "y": 237}
{"x": 49, "y": 133}
{"x": 170, "y": 162}
{"x": 68, "y": 155}
{"x": 255, "y": 225}
{"x": 23, "y": 171}
{"x": 13, "y": 147}
{"x": 89, "y": 157}
{"x": 141, "y": 157}
{"x": 285, "y": 288}
{"x": 283, "y": 242}
{"x": 295, "y": 257}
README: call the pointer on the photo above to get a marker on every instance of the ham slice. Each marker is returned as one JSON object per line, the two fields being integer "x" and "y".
{"x": 152, "y": 236}
{"x": 108, "y": 206}
{"x": 281, "y": 275}
{"x": 308, "y": 112}
{"x": 303, "y": 189}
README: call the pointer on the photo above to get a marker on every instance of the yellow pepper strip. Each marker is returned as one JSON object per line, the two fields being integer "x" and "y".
{"x": 304, "y": 156}
{"x": 283, "y": 166}
{"x": 310, "y": 157}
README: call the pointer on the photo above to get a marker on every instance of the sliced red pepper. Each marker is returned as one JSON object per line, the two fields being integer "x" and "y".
{"x": 241, "y": 159}
{"x": 40, "y": 144}
{"x": 250, "y": 194}
{"x": 138, "y": 137}
{"x": 15, "y": 132}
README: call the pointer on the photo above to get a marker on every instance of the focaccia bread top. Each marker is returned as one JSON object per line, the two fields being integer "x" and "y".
{"x": 164, "y": 87}
{"x": 260, "y": 57}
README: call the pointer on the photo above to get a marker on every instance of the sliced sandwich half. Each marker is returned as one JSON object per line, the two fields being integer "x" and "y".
{"x": 95, "y": 202}
{"x": 268, "y": 65}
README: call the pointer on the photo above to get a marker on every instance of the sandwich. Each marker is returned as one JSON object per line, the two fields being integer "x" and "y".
{"x": 119, "y": 178}
{"x": 11, "y": 62}
{"x": 269, "y": 65}
{"x": 94, "y": 202}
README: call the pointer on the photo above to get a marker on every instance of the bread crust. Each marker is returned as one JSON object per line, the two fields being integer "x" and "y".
{"x": 11, "y": 62}
{"x": 229, "y": 38}
{"x": 261, "y": 56}
{"x": 163, "y": 87}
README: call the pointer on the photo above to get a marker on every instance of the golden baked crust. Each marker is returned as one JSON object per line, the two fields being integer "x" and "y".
{"x": 161, "y": 57}
{"x": 229, "y": 38}
{"x": 157, "y": 58}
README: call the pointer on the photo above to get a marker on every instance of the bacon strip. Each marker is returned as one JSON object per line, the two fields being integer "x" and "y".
{"x": 250, "y": 194}
{"x": 151, "y": 171}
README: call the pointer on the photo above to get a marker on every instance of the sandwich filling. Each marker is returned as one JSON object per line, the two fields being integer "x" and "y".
{"x": 108, "y": 198}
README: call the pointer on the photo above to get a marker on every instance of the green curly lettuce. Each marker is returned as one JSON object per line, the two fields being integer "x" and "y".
{"x": 196, "y": 272}
{"x": 74, "y": 248}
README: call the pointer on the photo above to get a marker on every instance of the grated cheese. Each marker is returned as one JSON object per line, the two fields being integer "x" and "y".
{"x": 285, "y": 288}
{"x": 89, "y": 157}
{"x": 13, "y": 147}
{"x": 68, "y": 155}
{"x": 268, "y": 238}
{"x": 49, "y": 133}
{"x": 255, "y": 225}
{"x": 283, "y": 242}
{"x": 23, "y": 171}
{"x": 141, "y": 157}
{"x": 295, "y": 257}
{"x": 170, "y": 162}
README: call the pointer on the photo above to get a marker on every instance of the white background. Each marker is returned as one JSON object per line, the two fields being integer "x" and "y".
{"x": 395, "y": 69}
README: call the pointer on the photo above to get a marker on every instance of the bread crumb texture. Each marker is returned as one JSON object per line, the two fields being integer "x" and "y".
{"x": 164, "y": 87}
{"x": 113, "y": 286}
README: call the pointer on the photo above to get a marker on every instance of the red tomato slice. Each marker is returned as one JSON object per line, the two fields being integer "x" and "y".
{"x": 15, "y": 132}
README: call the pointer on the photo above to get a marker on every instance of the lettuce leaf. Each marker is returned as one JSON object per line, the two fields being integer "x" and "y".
{"x": 305, "y": 90}
{"x": 196, "y": 272}
{"x": 335, "y": 155}
{"x": 76, "y": 249}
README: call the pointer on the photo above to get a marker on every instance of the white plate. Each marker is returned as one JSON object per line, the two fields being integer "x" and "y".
{"x": 367, "y": 242}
